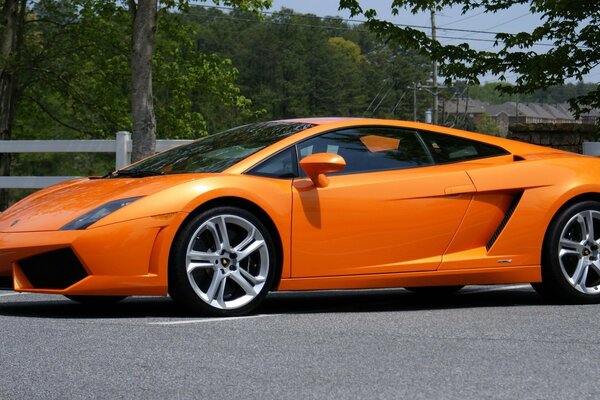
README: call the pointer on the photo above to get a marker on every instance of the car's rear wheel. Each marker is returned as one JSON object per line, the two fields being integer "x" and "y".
{"x": 570, "y": 257}
{"x": 222, "y": 262}
{"x": 96, "y": 300}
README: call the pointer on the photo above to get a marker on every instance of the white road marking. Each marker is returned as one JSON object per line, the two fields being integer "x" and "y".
{"x": 197, "y": 321}
{"x": 11, "y": 294}
{"x": 496, "y": 288}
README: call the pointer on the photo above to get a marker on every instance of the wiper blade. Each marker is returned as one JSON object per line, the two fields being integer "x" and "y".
{"x": 134, "y": 173}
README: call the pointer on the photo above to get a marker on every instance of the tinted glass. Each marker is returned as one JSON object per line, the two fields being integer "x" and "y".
{"x": 281, "y": 165}
{"x": 217, "y": 152}
{"x": 370, "y": 149}
{"x": 447, "y": 148}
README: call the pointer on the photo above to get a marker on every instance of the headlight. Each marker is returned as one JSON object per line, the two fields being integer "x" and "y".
{"x": 97, "y": 214}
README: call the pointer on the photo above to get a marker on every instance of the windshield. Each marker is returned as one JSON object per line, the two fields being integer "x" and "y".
{"x": 214, "y": 153}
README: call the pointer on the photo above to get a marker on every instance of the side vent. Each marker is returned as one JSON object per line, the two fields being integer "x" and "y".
{"x": 509, "y": 213}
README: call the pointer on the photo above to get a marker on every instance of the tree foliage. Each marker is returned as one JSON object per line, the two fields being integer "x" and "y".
{"x": 572, "y": 28}
{"x": 297, "y": 65}
{"x": 75, "y": 77}
{"x": 553, "y": 95}
{"x": 74, "y": 81}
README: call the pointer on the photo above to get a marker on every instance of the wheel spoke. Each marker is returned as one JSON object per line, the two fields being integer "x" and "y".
{"x": 217, "y": 281}
{"x": 594, "y": 266}
{"x": 247, "y": 240}
{"x": 254, "y": 246}
{"x": 212, "y": 228}
{"x": 580, "y": 271}
{"x": 202, "y": 255}
{"x": 224, "y": 235}
{"x": 564, "y": 252}
{"x": 255, "y": 280}
{"x": 200, "y": 259}
{"x": 583, "y": 225}
{"x": 567, "y": 244}
{"x": 199, "y": 264}
{"x": 589, "y": 220}
{"x": 244, "y": 284}
{"x": 221, "y": 294}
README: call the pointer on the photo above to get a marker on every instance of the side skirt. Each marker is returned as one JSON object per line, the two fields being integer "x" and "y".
{"x": 522, "y": 274}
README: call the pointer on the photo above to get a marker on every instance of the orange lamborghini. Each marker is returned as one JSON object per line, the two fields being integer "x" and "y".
{"x": 314, "y": 204}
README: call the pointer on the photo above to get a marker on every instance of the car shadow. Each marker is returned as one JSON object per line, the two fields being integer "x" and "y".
{"x": 381, "y": 300}
{"x": 394, "y": 300}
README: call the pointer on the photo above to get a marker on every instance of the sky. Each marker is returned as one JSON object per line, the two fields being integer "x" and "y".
{"x": 516, "y": 19}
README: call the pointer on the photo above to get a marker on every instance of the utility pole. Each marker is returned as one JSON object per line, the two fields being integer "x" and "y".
{"x": 415, "y": 101}
{"x": 435, "y": 73}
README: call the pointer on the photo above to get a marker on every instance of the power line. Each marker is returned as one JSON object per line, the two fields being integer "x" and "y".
{"x": 507, "y": 22}
{"x": 461, "y": 20}
{"x": 341, "y": 28}
{"x": 425, "y": 27}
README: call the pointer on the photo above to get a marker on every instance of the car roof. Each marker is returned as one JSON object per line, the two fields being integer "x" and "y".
{"x": 321, "y": 120}
{"x": 323, "y": 124}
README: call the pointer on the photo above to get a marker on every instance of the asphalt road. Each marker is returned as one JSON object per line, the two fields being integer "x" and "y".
{"x": 497, "y": 342}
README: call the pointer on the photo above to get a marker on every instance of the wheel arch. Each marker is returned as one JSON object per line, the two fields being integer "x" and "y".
{"x": 588, "y": 196}
{"x": 247, "y": 205}
{"x": 579, "y": 198}
{"x": 555, "y": 285}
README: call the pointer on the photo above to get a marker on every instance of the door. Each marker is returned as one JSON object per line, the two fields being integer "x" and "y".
{"x": 390, "y": 210}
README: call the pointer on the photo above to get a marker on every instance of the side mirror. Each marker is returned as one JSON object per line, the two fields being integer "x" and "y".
{"x": 319, "y": 164}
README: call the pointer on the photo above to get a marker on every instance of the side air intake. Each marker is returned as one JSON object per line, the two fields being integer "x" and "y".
{"x": 56, "y": 269}
{"x": 509, "y": 213}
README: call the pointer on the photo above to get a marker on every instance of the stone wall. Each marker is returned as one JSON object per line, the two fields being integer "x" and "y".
{"x": 569, "y": 137}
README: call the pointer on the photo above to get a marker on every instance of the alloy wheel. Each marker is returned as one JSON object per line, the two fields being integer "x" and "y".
{"x": 578, "y": 251}
{"x": 227, "y": 261}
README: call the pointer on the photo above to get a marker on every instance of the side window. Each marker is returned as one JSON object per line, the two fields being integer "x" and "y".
{"x": 447, "y": 148}
{"x": 370, "y": 149}
{"x": 281, "y": 165}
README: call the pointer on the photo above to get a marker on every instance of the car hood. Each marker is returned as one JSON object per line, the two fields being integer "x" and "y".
{"x": 53, "y": 207}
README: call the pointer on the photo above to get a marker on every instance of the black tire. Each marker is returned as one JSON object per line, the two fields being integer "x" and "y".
{"x": 228, "y": 277}
{"x": 570, "y": 265}
{"x": 435, "y": 290}
{"x": 96, "y": 300}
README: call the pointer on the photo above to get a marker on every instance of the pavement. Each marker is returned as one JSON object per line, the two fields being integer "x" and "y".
{"x": 486, "y": 342}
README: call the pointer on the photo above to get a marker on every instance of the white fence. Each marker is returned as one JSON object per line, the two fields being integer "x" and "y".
{"x": 121, "y": 146}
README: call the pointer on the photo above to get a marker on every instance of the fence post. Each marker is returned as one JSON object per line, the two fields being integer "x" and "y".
{"x": 123, "y": 149}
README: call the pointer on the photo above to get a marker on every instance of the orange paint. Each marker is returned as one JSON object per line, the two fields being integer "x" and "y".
{"x": 422, "y": 226}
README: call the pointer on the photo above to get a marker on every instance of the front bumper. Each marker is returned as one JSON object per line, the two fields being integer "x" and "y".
{"x": 125, "y": 258}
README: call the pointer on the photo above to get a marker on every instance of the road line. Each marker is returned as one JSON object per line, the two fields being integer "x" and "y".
{"x": 496, "y": 288}
{"x": 197, "y": 321}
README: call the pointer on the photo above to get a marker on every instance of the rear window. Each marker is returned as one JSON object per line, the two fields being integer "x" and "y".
{"x": 448, "y": 148}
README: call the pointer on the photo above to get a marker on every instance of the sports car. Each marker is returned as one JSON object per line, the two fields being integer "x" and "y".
{"x": 309, "y": 204}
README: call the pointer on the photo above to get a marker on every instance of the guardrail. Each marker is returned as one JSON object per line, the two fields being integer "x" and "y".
{"x": 121, "y": 146}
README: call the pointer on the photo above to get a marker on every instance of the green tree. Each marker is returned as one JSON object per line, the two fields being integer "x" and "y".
{"x": 573, "y": 28}
{"x": 12, "y": 22}
{"x": 74, "y": 82}
{"x": 296, "y": 65}
{"x": 144, "y": 15}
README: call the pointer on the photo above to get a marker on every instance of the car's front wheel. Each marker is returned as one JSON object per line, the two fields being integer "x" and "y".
{"x": 571, "y": 255}
{"x": 222, "y": 262}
